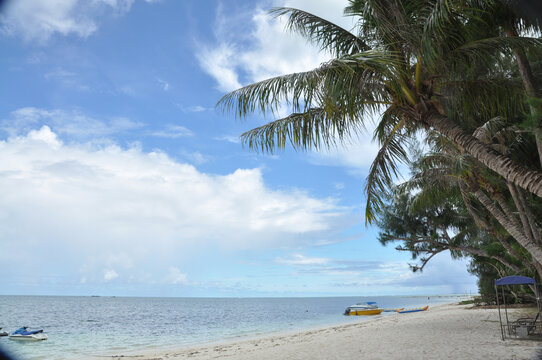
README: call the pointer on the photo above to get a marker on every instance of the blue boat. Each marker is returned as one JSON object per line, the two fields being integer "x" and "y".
{"x": 404, "y": 311}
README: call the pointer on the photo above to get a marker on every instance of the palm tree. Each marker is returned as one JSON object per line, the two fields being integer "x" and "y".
{"x": 414, "y": 62}
{"x": 505, "y": 21}
{"x": 446, "y": 170}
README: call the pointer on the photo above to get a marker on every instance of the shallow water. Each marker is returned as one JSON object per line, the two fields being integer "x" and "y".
{"x": 97, "y": 326}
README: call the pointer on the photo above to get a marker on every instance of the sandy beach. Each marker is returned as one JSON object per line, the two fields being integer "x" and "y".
{"x": 443, "y": 332}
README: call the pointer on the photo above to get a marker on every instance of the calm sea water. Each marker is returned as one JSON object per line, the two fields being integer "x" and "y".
{"x": 98, "y": 326}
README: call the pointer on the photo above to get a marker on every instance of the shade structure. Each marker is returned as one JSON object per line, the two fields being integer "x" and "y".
{"x": 525, "y": 327}
{"x": 515, "y": 280}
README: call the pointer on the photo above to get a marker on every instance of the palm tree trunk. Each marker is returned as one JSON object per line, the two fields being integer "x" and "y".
{"x": 538, "y": 268}
{"x": 510, "y": 215}
{"x": 532, "y": 221}
{"x": 527, "y": 227}
{"x": 531, "y": 247}
{"x": 484, "y": 225}
{"x": 529, "y": 83}
{"x": 527, "y": 179}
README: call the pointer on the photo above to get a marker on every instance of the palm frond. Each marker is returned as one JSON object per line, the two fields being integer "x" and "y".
{"x": 489, "y": 129}
{"x": 441, "y": 31}
{"x": 433, "y": 195}
{"x": 499, "y": 134}
{"x": 267, "y": 95}
{"x": 432, "y": 159}
{"x": 383, "y": 170}
{"x": 315, "y": 128}
{"x": 489, "y": 50}
{"x": 351, "y": 82}
{"x": 387, "y": 22}
{"x": 324, "y": 33}
{"x": 479, "y": 99}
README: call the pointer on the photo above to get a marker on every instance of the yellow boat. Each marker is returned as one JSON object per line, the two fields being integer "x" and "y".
{"x": 368, "y": 308}
{"x": 366, "y": 312}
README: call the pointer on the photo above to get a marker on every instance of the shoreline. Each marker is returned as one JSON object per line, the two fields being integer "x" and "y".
{"x": 445, "y": 331}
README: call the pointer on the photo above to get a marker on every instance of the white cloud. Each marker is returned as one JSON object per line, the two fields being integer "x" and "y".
{"x": 38, "y": 20}
{"x": 175, "y": 277}
{"x": 66, "y": 78}
{"x": 121, "y": 259}
{"x": 438, "y": 273}
{"x": 220, "y": 62}
{"x": 196, "y": 108}
{"x": 105, "y": 207}
{"x": 442, "y": 275}
{"x": 110, "y": 274}
{"x": 193, "y": 108}
{"x": 165, "y": 85}
{"x": 298, "y": 259}
{"x": 346, "y": 268}
{"x": 126, "y": 90}
{"x": 71, "y": 123}
{"x": 229, "y": 138}
{"x": 197, "y": 157}
{"x": 268, "y": 50}
{"x": 173, "y": 132}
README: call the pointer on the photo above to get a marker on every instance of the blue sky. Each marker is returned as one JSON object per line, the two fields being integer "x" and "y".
{"x": 119, "y": 176}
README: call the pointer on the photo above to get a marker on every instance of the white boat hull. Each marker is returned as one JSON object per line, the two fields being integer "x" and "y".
{"x": 33, "y": 337}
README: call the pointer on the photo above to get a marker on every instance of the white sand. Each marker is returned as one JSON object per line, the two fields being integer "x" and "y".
{"x": 443, "y": 332}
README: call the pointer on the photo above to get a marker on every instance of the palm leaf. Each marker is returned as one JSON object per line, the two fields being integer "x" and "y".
{"x": 383, "y": 170}
{"x": 480, "y": 99}
{"x": 312, "y": 129}
{"x": 327, "y": 35}
{"x": 489, "y": 50}
{"x": 346, "y": 82}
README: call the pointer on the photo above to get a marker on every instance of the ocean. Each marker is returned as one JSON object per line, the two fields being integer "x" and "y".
{"x": 103, "y": 326}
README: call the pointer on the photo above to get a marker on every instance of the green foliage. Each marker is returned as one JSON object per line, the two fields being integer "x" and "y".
{"x": 532, "y": 119}
{"x": 328, "y": 36}
{"x": 404, "y": 62}
{"x": 486, "y": 278}
{"x": 402, "y": 59}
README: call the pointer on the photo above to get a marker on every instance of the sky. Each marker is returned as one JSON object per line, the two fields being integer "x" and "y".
{"x": 118, "y": 176}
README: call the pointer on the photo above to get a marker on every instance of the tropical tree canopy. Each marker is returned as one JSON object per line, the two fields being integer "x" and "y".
{"x": 458, "y": 74}
{"x": 416, "y": 64}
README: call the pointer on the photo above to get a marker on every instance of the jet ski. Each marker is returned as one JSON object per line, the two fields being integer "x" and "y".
{"x": 3, "y": 333}
{"x": 25, "y": 334}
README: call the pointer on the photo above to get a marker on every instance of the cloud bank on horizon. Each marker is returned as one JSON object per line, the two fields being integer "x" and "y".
{"x": 165, "y": 202}
{"x": 104, "y": 200}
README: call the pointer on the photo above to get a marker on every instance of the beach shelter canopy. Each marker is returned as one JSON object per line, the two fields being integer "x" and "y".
{"x": 515, "y": 280}
{"x": 522, "y": 328}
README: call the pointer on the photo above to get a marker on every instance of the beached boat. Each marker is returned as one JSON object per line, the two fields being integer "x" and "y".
{"x": 25, "y": 334}
{"x": 368, "y": 308}
{"x": 404, "y": 311}
{"x": 366, "y": 312}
